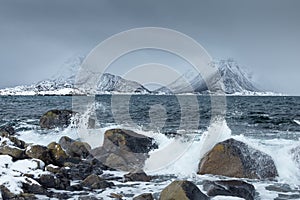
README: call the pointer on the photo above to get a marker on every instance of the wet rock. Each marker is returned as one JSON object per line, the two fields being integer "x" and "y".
{"x": 52, "y": 168}
{"x": 39, "y": 152}
{"x": 75, "y": 187}
{"x": 56, "y": 118}
{"x": 81, "y": 171}
{"x": 116, "y": 162}
{"x": 287, "y": 196}
{"x": 18, "y": 143}
{"x": 124, "y": 149}
{"x": 182, "y": 190}
{"x": 58, "y": 155}
{"x": 95, "y": 182}
{"x": 47, "y": 180}
{"x": 236, "y": 159}
{"x": 145, "y": 196}
{"x": 6, "y": 194}
{"x": 137, "y": 175}
{"x": 116, "y": 196}
{"x": 34, "y": 189}
{"x": 27, "y": 196}
{"x": 12, "y": 151}
{"x": 8, "y": 139}
{"x": 50, "y": 181}
{"x": 6, "y": 131}
{"x": 230, "y": 188}
{"x": 89, "y": 198}
{"x": 75, "y": 148}
{"x": 63, "y": 195}
{"x": 283, "y": 188}
{"x": 128, "y": 140}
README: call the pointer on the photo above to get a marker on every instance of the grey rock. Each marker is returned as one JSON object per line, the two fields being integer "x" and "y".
{"x": 234, "y": 188}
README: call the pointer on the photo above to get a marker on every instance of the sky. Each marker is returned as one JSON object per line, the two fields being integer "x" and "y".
{"x": 37, "y": 37}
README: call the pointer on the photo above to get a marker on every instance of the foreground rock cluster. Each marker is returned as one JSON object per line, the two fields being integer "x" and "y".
{"x": 70, "y": 165}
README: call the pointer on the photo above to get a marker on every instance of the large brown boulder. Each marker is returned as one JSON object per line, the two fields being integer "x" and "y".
{"x": 182, "y": 190}
{"x": 56, "y": 119}
{"x": 236, "y": 159}
{"x": 124, "y": 149}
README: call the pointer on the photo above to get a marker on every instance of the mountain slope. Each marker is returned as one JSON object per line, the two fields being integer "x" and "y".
{"x": 113, "y": 83}
{"x": 107, "y": 83}
{"x": 235, "y": 80}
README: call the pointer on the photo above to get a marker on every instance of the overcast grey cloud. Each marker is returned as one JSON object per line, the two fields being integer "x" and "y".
{"x": 37, "y": 37}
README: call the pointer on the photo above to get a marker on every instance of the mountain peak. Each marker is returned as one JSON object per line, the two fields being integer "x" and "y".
{"x": 234, "y": 78}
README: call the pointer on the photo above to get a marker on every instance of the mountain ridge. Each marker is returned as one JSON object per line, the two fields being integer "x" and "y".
{"x": 235, "y": 81}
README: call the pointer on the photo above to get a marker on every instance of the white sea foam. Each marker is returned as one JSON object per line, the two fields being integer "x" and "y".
{"x": 177, "y": 156}
{"x": 180, "y": 156}
{"x": 297, "y": 121}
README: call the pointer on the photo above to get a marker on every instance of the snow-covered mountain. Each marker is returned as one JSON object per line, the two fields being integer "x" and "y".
{"x": 235, "y": 80}
{"x": 113, "y": 83}
{"x": 108, "y": 83}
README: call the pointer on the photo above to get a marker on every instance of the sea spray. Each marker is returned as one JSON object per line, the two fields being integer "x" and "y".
{"x": 87, "y": 131}
{"x": 181, "y": 157}
{"x": 217, "y": 131}
{"x": 280, "y": 151}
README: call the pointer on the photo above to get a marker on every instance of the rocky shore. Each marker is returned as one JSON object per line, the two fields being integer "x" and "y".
{"x": 69, "y": 167}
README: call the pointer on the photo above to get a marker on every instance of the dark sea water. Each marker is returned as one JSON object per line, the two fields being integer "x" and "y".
{"x": 270, "y": 124}
{"x": 256, "y": 116}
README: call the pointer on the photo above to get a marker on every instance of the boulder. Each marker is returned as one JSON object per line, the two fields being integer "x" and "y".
{"x": 75, "y": 148}
{"x": 116, "y": 162}
{"x": 124, "y": 149}
{"x": 50, "y": 181}
{"x": 137, "y": 175}
{"x": 7, "y": 131}
{"x": 12, "y": 151}
{"x": 16, "y": 142}
{"x": 128, "y": 140}
{"x": 5, "y": 193}
{"x": 39, "y": 152}
{"x": 236, "y": 159}
{"x": 52, "y": 168}
{"x": 95, "y": 182}
{"x": 47, "y": 180}
{"x": 34, "y": 188}
{"x": 234, "y": 188}
{"x": 182, "y": 190}
{"x": 56, "y": 119}
{"x": 81, "y": 170}
{"x": 58, "y": 155}
{"x": 145, "y": 196}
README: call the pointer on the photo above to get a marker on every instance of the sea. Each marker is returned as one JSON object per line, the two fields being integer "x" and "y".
{"x": 179, "y": 123}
